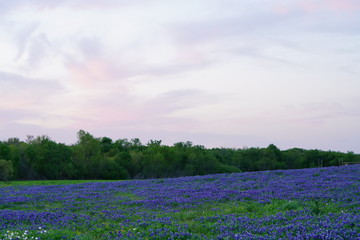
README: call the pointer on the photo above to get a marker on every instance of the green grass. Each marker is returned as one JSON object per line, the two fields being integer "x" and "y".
{"x": 250, "y": 209}
{"x": 49, "y": 182}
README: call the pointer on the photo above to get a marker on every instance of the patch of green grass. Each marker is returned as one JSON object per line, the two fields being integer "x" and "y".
{"x": 49, "y": 182}
{"x": 250, "y": 209}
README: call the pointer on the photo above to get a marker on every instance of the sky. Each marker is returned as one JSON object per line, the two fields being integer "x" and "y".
{"x": 230, "y": 73}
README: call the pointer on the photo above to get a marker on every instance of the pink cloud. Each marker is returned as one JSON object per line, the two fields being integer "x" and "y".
{"x": 312, "y": 6}
{"x": 23, "y": 101}
{"x": 95, "y": 4}
{"x": 188, "y": 55}
{"x": 123, "y": 111}
{"x": 83, "y": 4}
{"x": 343, "y": 5}
{"x": 94, "y": 72}
{"x": 282, "y": 9}
{"x": 18, "y": 91}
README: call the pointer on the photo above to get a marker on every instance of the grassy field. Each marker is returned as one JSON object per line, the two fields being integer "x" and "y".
{"x": 319, "y": 203}
{"x": 48, "y": 182}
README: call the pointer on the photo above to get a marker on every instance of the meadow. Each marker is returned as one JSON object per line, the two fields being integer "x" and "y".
{"x": 316, "y": 203}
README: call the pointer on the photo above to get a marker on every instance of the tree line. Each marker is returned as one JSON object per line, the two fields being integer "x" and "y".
{"x": 103, "y": 158}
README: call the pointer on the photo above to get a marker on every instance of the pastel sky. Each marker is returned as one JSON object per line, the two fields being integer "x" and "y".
{"x": 230, "y": 73}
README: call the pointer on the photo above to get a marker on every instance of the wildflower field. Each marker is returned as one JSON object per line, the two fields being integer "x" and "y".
{"x": 317, "y": 203}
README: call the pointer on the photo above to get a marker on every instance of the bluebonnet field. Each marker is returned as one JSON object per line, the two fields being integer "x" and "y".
{"x": 318, "y": 203}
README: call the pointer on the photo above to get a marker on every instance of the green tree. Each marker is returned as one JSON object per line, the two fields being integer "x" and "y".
{"x": 136, "y": 163}
{"x": 272, "y": 158}
{"x": 248, "y": 158}
{"x": 203, "y": 161}
{"x": 312, "y": 159}
{"x": 158, "y": 161}
{"x": 111, "y": 170}
{"x": 87, "y": 155}
{"x": 106, "y": 145}
{"x": 154, "y": 165}
{"x": 48, "y": 159}
{"x": 4, "y": 151}
{"x": 294, "y": 158}
{"x": 6, "y": 170}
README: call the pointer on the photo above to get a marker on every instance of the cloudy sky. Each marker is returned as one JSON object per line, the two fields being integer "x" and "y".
{"x": 230, "y": 73}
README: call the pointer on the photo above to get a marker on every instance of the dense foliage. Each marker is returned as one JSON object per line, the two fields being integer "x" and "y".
{"x": 316, "y": 203}
{"x": 102, "y": 158}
